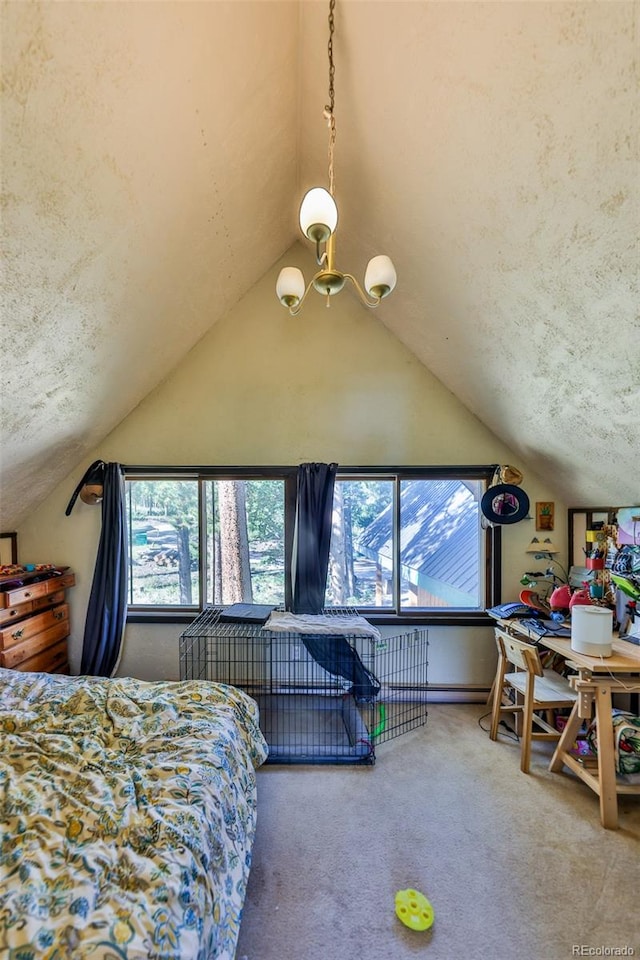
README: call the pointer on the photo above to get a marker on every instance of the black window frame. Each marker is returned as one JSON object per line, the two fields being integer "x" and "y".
{"x": 288, "y": 474}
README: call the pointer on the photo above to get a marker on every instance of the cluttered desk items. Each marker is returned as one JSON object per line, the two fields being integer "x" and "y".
{"x": 586, "y": 618}
{"x": 595, "y": 679}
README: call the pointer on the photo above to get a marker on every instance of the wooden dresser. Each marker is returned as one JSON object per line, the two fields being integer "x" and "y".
{"x": 34, "y": 625}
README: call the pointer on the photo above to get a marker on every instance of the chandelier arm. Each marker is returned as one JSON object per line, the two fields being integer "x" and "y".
{"x": 321, "y": 257}
{"x": 294, "y": 311}
{"x": 366, "y": 299}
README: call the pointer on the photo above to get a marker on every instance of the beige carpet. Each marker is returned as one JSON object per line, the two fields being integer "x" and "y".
{"x": 515, "y": 866}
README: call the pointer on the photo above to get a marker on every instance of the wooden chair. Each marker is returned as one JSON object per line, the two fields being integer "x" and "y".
{"x": 534, "y": 690}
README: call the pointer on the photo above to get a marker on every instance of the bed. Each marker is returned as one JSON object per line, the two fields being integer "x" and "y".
{"x": 127, "y": 817}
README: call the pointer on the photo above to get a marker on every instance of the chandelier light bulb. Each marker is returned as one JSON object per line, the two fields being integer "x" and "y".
{"x": 380, "y": 277}
{"x": 318, "y": 215}
{"x": 290, "y": 286}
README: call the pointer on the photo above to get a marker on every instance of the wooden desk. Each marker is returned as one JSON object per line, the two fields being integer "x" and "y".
{"x": 596, "y": 679}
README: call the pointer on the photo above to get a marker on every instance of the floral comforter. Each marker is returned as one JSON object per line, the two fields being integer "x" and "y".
{"x": 127, "y": 816}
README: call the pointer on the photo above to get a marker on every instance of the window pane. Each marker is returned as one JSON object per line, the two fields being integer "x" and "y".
{"x": 360, "y": 561}
{"x": 163, "y": 542}
{"x": 440, "y": 544}
{"x": 245, "y": 541}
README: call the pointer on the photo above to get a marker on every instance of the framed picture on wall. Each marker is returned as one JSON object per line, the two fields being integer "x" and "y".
{"x": 629, "y": 525}
{"x": 544, "y": 515}
{"x": 8, "y": 548}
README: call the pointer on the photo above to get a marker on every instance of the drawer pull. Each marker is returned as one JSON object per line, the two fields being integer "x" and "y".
{"x": 17, "y": 634}
{"x": 58, "y": 615}
{"x": 27, "y": 595}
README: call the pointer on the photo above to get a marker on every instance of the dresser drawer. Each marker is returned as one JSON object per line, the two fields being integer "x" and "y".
{"x": 35, "y": 591}
{"x": 18, "y": 633}
{"x": 51, "y": 660}
{"x": 51, "y": 599}
{"x": 11, "y": 614}
{"x": 13, "y": 657}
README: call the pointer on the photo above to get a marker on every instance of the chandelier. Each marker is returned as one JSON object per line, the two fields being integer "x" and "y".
{"x": 318, "y": 222}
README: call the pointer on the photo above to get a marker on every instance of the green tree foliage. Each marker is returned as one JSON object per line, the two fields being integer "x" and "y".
{"x": 265, "y": 510}
{"x": 172, "y": 500}
{"x": 244, "y": 530}
{"x": 366, "y": 500}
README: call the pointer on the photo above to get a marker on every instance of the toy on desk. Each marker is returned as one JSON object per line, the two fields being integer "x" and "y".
{"x": 580, "y": 597}
{"x": 627, "y": 586}
{"x": 560, "y": 598}
{"x": 533, "y": 600}
{"x": 414, "y": 910}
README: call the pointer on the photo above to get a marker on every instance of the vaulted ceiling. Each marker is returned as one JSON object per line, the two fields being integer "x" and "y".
{"x": 154, "y": 154}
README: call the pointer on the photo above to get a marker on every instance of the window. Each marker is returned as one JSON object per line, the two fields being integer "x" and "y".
{"x": 244, "y": 523}
{"x": 221, "y": 540}
{"x": 405, "y": 543}
{"x": 164, "y": 547}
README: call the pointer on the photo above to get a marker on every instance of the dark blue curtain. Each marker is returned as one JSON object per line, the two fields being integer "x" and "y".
{"x": 311, "y": 543}
{"x": 107, "y": 607}
{"x": 312, "y": 535}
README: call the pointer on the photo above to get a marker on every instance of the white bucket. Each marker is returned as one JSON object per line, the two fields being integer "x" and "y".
{"x": 591, "y": 630}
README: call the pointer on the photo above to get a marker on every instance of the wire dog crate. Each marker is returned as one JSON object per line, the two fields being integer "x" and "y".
{"x": 323, "y": 698}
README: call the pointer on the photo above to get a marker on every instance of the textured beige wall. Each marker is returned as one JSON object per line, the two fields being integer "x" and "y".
{"x": 154, "y": 156}
{"x": 263, "y": 387}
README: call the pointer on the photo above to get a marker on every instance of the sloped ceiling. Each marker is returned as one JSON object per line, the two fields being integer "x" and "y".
{"x": 154, "y": 154}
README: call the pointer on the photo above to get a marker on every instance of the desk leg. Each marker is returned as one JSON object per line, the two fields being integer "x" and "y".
{"x": 606, "y": 758}
{"x": 567, "y": 739}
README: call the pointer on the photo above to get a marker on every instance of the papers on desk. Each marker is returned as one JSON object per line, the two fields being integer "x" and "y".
{"x": 546, "y": 628}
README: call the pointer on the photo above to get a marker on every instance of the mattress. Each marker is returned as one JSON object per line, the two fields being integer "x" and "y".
{"x": 127, "y": 817}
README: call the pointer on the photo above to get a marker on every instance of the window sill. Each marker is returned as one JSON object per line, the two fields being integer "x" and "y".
{"x": 477, "y": 618}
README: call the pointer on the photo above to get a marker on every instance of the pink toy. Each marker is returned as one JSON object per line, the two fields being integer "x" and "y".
{"x": 561, "y": 598}
{"x": 580, "y": 597}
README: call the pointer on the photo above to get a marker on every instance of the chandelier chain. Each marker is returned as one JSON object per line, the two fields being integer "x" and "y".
{"x": 329, "y": 108}
{"x": 318, "y": 220}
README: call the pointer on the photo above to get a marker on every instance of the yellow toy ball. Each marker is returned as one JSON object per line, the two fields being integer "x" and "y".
{"x": 414, "y": 910}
